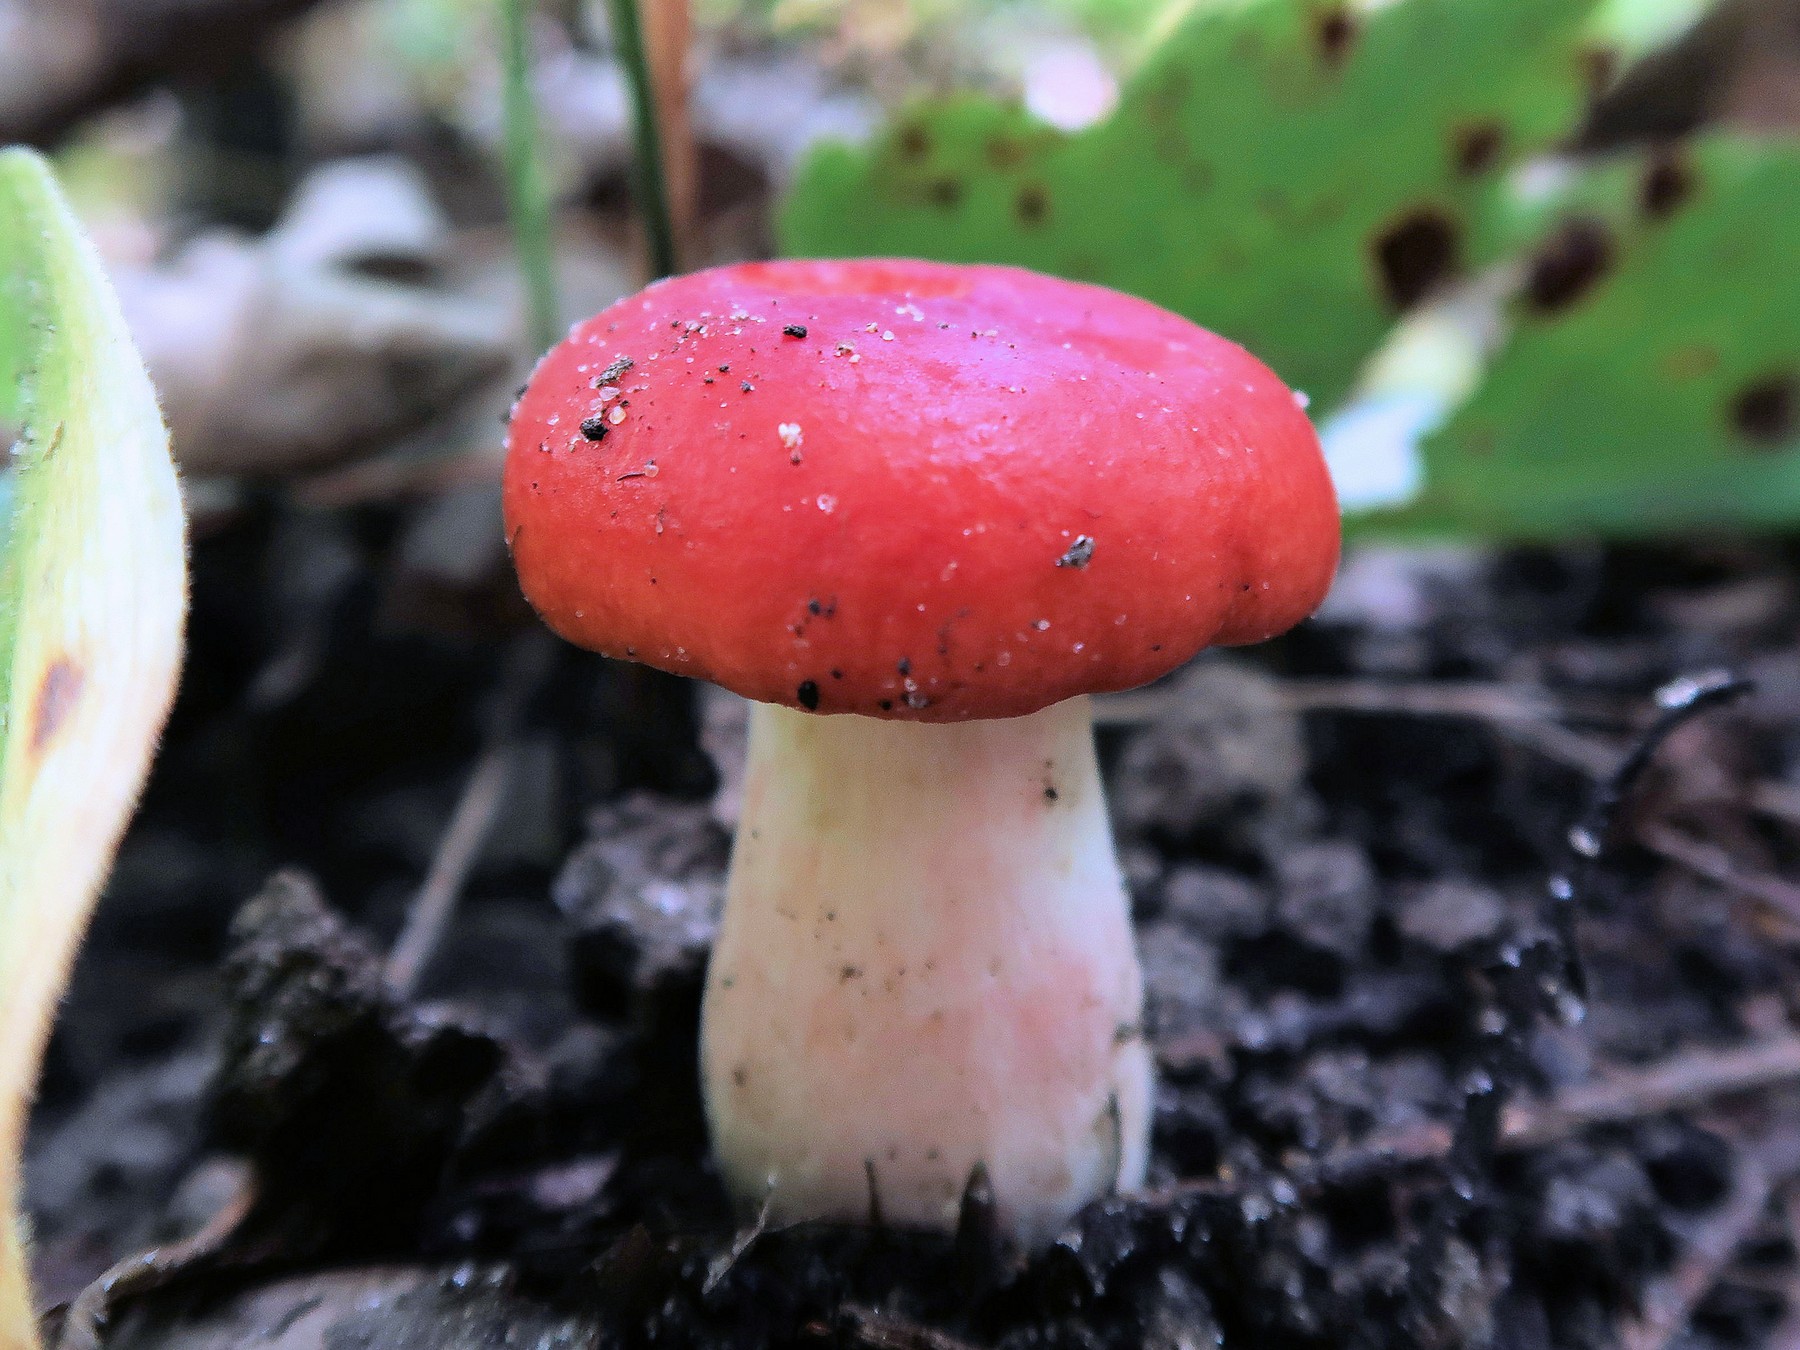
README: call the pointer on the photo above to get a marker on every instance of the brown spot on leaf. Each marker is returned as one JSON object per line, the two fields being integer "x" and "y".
{"x": 1599, "y": 68}
{"x": 1164, "y": 100}
{"x": 1335, "y": 31}
{"x": 1032, "y": 205}
{"x": 1005, "y": 152}
{"x": 1081, "y": 267}
{"x": 1477, "y": 148}
{"x": 914, "y": 143}
{"x": 56, "y": 699}
{"x": 1569, "y": 265}
{"x": 1415, "y": 253}
{"x": 1766, "y": 412}
{"x": 1667, "y": 183}
{"x": 945, "y": 193}
{"x": 1690, "y": 362}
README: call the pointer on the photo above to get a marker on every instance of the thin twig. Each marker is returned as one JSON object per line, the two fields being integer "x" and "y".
{"x": 743, "y": 1242}
{"x": 460, "y": 846}
{"x": 1679, "y": 1082}
{"x": 1475, "y": 700}
{"x": 1776, "y": 800}
{"x": 872, "y": 1329}
{"x": 527, "y": 196}
{"x": 1714, "y": 864}
{"x": 1668, "y": 1303}
{"x": 1529, "y": 717}
{"x": 1786, "y": 1334}
{"x": 152, "y": 1270}
{"x": 668, "y": 39}
{"x": 1586, "y": 755}
{"x": 456, "y": 853}
{"x": 647, "y": 161}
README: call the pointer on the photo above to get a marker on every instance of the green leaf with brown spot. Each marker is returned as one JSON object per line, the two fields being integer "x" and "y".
{"x": 1651, "y": 381}
{"x": 1292, "y": 174}
{"x": 93, "y": 594}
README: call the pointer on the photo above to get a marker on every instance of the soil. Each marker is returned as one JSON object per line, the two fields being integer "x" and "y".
{"x": 1339, "y": 846}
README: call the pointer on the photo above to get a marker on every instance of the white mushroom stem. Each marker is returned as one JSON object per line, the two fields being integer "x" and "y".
{"x": 926, "y": 962}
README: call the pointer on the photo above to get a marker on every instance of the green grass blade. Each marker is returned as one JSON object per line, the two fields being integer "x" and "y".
{"x": 527, "y": 195}
{"x": 93, "y": 595}
{"x": 649, "y": 174}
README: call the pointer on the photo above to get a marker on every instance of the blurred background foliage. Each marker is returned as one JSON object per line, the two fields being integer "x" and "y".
{"x": 1530, "y": 260}
{"x": 1608, "y": 340}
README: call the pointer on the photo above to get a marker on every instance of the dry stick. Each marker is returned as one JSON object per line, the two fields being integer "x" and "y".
{"x": 1476, "y": 700}
{"x": 460, "y": 845}
{"x": 1681, "y": 1081}
{"x": 456, "y": 853}
{"x": 1587, "y": 756}
{"x": 1786, "y": 1334}
{"x": 1527, "y": 716}
{"x": 1707, "y": 861}
{"x": 1536, "y": 731}
{"x": 1669, "y": 1303}
{"x": 743, "y": 1242}
{"x": 650, "y": 178}
{"x": 872, "y": 1329}
{"x": 152, "y": 1270}
{"x": 1714, "y": 864}
{"x": 668, "y": 42}
{"x": 1776, "y": 800}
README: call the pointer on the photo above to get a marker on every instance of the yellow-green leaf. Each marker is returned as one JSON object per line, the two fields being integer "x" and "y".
{"x": 93, "y": 593}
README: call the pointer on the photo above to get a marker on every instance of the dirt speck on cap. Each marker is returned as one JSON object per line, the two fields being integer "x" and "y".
{"x": 614, "y": 371}
{"x": 1079, "y": 554}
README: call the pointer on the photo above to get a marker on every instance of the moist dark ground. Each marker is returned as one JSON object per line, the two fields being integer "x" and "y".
{"x": 1333, "y": 842}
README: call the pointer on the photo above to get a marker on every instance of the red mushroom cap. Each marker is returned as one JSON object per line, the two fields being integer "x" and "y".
{"x": 911, "y": 490}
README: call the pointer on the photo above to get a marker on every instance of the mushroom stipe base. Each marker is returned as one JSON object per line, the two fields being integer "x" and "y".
{"x": 926, "y": 962}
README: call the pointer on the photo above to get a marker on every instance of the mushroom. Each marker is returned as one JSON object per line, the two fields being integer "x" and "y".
{"x": 917, "y": 513}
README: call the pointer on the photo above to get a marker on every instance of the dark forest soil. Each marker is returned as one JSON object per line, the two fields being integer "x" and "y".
{"x": 1339, "y": 847}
